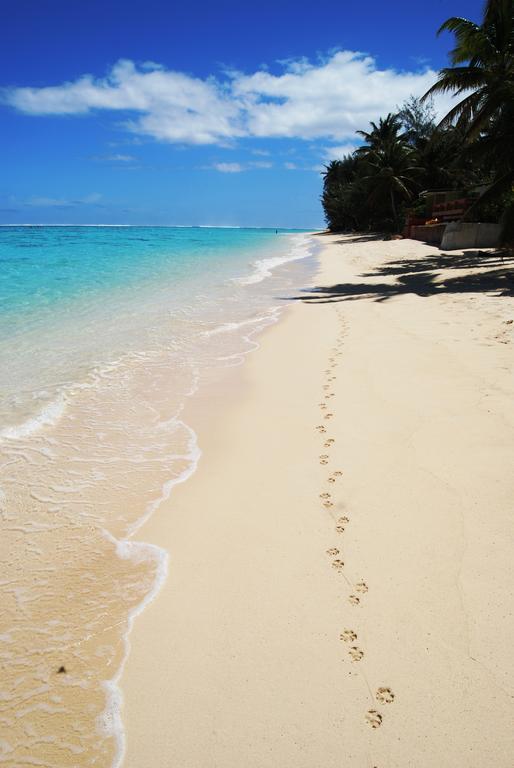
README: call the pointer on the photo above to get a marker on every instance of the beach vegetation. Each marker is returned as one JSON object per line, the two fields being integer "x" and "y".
{"x": 471, "y": 149}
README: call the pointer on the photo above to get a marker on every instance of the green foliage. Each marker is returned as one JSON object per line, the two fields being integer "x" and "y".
{"x": 406, "y": 152}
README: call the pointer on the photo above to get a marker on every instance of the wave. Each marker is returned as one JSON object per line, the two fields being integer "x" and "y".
{"x": 50, "y": 415}
{"x": 263, "y": 268}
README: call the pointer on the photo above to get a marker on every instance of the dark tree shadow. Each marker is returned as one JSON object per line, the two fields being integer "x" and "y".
{"x": 350, "y": 237}
{"x": 420, "y": 276}
{"x": 468, "y": 259}
{"x": 500, "y": 281}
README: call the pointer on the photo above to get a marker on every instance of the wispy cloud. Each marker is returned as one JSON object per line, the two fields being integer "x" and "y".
{"x": 59, "y": 202}
{"x": 227, "y": 167}
{"x": 339, "y": 151}
{"x": 240, "y": 167}
{"x": 261, "y": 152}
{"x": 114, "y": 158}
{"x": 327, "y": 99}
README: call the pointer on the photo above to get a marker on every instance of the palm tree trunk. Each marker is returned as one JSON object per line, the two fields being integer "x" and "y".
{"x": 393, "y": 208}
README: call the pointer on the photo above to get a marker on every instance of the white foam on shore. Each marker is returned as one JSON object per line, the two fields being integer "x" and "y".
{"x": 263, "y": 268}
{"x": 49, "y": 416}
{"x": 228, "y": 327}
{"x": 110, "y": 723}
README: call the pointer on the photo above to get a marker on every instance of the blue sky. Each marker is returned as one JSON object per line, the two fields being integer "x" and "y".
{"x": 222, "y": 113}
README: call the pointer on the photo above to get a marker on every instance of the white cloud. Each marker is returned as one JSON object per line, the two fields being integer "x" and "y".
{"x": 261, "y": 164}
{"x": 240, "y": 167}
{"x": 328, "y": 99}
{"x": 290, "y": 166}
{"x": 228, "y": 167}
{"x": 339, "y": 151}
{"x": 115, "y": 158}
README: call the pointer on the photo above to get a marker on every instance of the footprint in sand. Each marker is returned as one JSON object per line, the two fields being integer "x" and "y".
{"x": 326, "y": 386}
{"x": 333, "y": 551}
{"x": 374, "y": 718}
{"x": 333, "y": 477}
{"x": 328, "y": 415}
{"x": 354, "y": 600}
{"x": 361, "y": 587}
{"x": 348, "y": 636}
{"x": 384, "y": 696}
{"x": 321, "y": 429}
{"x": 329, "y": 442}
{"x": 325, "y": 496}
{"x": 341, "y": 524}
{"x": 328, "y": 504}
{"x": 356, "y": 653}
{"x": 338, "y": 565}
{"x": 323, "y": 458}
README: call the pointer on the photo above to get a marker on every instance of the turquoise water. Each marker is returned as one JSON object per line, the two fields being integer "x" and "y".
{"x": 72, "y": 298}
{"x": 107, "y": 334}
{"x": 41, "y": 266}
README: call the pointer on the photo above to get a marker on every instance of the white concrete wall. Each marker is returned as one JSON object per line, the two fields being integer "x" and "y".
{"x": 458, "y": 235}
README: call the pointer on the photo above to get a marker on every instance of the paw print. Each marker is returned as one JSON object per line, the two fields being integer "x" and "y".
{"x": 356, "y": 653}
{"x": 384, "y": 696}
{"x": 374, "y": 718}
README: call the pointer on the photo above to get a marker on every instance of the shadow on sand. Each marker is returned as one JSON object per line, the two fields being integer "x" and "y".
{"x": 420, "y": 277}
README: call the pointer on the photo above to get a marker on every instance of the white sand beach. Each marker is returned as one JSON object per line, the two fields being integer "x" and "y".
{"x": 341, "y": 563}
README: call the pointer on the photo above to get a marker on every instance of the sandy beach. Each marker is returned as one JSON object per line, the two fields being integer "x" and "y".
{"x": 341, "y": 563}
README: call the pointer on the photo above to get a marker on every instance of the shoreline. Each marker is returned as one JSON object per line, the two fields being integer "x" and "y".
{"x": 247, "y": 654}
{"x": 79, "y": 486}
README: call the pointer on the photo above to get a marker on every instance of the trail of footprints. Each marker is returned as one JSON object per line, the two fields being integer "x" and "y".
{"x": 383, "y": 695}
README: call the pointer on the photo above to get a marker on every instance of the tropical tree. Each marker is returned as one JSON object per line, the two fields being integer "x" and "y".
{"x": 387, "y": 131}
{"x": 483, "y": 75}
{"x": 392, "y": 172}
{"x": 483, "y": 67}
{"x": 340, "y": 193}
{"x": 390, "y": 167}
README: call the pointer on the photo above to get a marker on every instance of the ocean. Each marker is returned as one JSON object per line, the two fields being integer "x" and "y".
{"x": 105, "y": 333}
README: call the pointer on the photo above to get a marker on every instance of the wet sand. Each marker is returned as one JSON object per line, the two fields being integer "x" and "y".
{"x": 341, "y": 563}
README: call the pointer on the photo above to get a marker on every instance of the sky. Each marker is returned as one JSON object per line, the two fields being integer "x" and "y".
{"x": 218, "y": 113}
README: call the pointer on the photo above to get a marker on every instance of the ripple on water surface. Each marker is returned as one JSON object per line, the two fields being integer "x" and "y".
{"x": 99, "y": 443}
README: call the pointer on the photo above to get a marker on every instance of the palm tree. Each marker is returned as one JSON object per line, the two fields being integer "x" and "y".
{"x": 483, "y": 74}
{"x": 392, "y": 172}
{"x": 390, "y": 166}
{"x": 339, "y": 197}
{"x": 386, "y": 131}
{"x": 483, "y": 67}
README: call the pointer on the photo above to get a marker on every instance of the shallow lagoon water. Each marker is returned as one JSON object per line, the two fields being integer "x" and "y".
{"x": 104, "y": 334}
